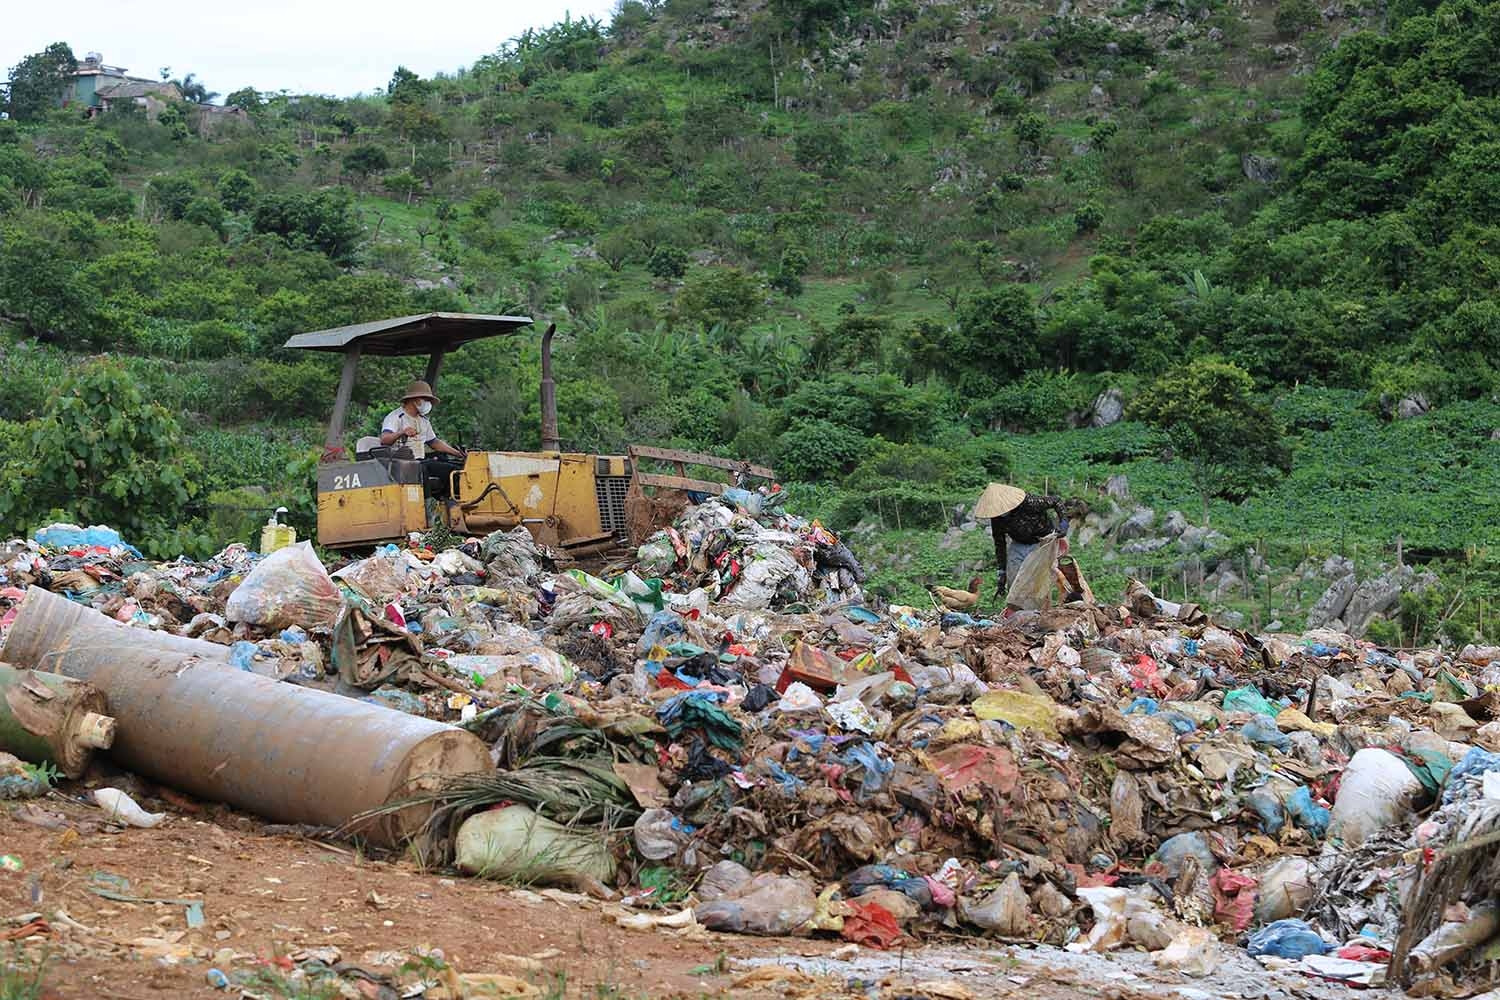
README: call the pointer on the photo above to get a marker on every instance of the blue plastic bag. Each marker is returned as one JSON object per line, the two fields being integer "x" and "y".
{"x": 1263, "y": 732}
{"x": 876, "y": 768}
{"x": 1306, "y": 813}
{"x": 1268, "y": 807}
{"x": 1290, "y": 938}
{"x": 1476, "y": 761}
{"x": 1142, "y": 704}
{"x": 242, "y": 654}
{"x": 1181, "y": 724}
{"x": 958, "y": 619}
{"x": 661, "y": 629}
{"x": 70, "y": 536}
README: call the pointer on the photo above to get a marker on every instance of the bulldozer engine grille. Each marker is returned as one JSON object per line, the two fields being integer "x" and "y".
{"x": 611, "y": 493}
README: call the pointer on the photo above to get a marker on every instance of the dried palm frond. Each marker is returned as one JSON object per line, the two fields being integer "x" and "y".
{"x": 573, "y": 792}
{"x": 1467, "y": 869}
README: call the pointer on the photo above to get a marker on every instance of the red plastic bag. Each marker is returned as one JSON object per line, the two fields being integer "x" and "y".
{"x": 1234, "y": 898}
{"x": 871, "y": 925}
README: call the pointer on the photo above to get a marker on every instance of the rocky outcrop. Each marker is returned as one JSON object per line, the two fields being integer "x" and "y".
{"x": 1331, "y": 606}
{"x": 1108, "y": 408}
{"x": 1137, "y": 525}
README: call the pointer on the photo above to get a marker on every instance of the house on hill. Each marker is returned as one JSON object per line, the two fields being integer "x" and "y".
{"x": 99, "y": 87}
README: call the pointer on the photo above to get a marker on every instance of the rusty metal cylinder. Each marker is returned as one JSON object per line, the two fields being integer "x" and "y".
{"x": 48, "y": 718}
{"x": 287, "y": 753}
{"x": 62, "y": 616}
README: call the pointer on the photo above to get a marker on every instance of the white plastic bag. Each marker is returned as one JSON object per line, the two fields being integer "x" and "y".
{"x": 288, "y": 587}
{"x": 1031, "y": 590}
{"x": 381, "y": 578}
{"x": 121, "y": 809}
{"x": 1376, "y": 792}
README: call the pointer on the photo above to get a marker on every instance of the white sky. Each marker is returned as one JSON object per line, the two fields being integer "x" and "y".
{"x": 338, "y": 47}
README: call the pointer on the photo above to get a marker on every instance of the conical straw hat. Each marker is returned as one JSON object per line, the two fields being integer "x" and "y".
{"x": 998, "y": 499}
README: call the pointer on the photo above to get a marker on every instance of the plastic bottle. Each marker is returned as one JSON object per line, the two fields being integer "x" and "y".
{"x": 276, "y": 535}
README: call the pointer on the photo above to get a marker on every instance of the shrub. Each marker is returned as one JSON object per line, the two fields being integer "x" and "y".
{"x": 1088, "y": 217}
{"x": 103, "y": 454}
{"x": 815, "y": 450}
{"x": 667, "y": 262}
{"x": 1039, "y": 401}
{"x": 1294, "y": 17}
{"x": 217, "y": 339}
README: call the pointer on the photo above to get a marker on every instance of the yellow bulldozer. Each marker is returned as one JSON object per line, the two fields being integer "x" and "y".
{"x": 580, "y": 504}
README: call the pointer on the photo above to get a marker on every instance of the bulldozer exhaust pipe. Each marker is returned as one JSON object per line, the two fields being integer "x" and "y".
{"x": 549, "y": 394}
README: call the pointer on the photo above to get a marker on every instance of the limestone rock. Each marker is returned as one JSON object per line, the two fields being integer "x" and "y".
{"x": 1137, "y": 525}
{"x": 1334, "y": 601}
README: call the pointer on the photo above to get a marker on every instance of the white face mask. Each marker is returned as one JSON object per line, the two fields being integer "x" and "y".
{"x": 424, "y": 407}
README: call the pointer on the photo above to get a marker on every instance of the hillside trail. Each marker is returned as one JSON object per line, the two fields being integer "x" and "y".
{"x": 273, "y": 903}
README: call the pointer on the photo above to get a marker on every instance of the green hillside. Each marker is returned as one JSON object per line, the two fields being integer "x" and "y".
{"x": 894, "y": 248}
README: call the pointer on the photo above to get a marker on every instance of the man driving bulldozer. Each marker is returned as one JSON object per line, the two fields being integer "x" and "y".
{"x": 407, "y": 426}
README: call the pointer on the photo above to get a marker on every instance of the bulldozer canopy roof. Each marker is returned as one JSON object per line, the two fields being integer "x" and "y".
{"x": 407, "y": 335}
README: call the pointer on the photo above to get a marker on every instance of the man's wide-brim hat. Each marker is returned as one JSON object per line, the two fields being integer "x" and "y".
{"x": 419, "y": 390}
{"x": 998, "y": 499}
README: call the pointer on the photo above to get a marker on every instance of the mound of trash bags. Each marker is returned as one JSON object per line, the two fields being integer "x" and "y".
{"x": 726, "y": 723}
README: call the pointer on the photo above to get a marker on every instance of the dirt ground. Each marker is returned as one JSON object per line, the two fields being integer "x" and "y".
{"x": 274, "y": 905}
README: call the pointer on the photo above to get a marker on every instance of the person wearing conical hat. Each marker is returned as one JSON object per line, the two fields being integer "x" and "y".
{"x": 407, "y": 426}
{"x": 1018, "y": 521}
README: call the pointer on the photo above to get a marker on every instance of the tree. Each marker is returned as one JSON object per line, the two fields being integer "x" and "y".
{"x": 1032, "y": 132}
{"x": 667, "y": 261}
{"x": 205, "y": 212}
{"x": 1230, "y": 439}
{"x": 194, "y": 90}
{"x": 406, "y": 87}
{"x": 1033, "y": 64}
{"x": 323, "y": 221}
{"x": 104, "y": 454}
{"x": 998, "y": 333}
{"x": 721, "y": 296}
{"x": 362, "y": 161}
{"x": 236, "y": 190}
{"x": 405, "y": 185}
{"x": 39, "y": 82}
{"x": 1295, "y": 16}
{"x": 617, "y": 247}
{"x": 430, "y": 163}
{"x": 246, "y": 98}
{"x": 822, "y": 147}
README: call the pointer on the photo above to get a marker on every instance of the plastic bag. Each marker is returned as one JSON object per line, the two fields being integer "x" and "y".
{"x": 121, "y": 809}
{"x": 288, "y": 587}
{"x": 722, "y": 879}
{"x": 1263, "y": 732}
{"x": 1035, "y": 712}
{"x": 656, "y": 556}
{"x": 71, "y": 536}
{"x": 1174, "y": 852}
{"x": 768, "y": 569}
{"x": 1286, "y": 887}
{"x": 1031, "y": 590}
{"x": 381, "y": 578}
{"x": 659, "y": 835}
{"x": 516, "y": 843}
{"x": 1377, "y": 791}
{"x": 1006, "y": 911}
{"x": 770, "y": 905}
{"x": 1306, "y": 813}
{"x": 1289, "y": 938}
{"x": 1247, "y": 699}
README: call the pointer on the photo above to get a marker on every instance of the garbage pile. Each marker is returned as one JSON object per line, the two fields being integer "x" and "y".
{"x": 767, "y": 751}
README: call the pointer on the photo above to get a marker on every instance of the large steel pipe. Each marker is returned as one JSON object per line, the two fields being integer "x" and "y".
{"x": 287, "y": 753}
